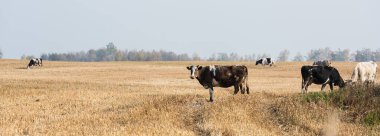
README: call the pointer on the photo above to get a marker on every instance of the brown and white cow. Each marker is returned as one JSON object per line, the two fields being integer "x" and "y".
{"x": 221, "y": 76}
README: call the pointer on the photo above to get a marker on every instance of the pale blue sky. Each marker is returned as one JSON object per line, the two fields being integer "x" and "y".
{"x": 34, "y": 27}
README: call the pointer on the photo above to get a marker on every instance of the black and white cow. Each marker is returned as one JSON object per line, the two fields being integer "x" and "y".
{"x": 322, "y": 63}
{"x": 321, "y": 75}
{"x": 221, "y": 76}
{"x": 34, "y": 62}
{"x": 265, "y": 61}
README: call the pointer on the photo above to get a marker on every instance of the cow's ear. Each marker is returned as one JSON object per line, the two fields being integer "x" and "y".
{"x": 199, "y": 67}
{"x": 188, "y": 67}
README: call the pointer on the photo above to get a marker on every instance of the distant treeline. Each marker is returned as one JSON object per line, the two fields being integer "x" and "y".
{"x": 343, "y": 55}
{"x": 1, "y": 54}
{"x": 111, "y": 53}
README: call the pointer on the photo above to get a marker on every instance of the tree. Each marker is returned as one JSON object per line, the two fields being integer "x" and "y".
{"x": 320, "y": 54}
{"x": 212, "y": 57}
{"x": 44, "y": 56}
{"x": 222, "y": 57}
{"x": 377, "y": 55}
{"x": 364, "y": 55}
{"x": 249, "y": 57}
{"x": 196, "y": 57}
{"x": 27, "y": 57}
{"x": 119, "y": 56}
{"x": 341, "y": 55}
{"x": 263, "y": 56}
{"x": 298, "y": 57}
{"x": 283, "y": 56}
{"x": 1, "y": 54}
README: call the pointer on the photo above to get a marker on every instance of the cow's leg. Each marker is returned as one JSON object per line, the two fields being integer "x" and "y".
{"x": 323, "y": 87}
{"x": 247, "y": 88}
{"x": 236, "y": 87}
{"x": 303, "y": 86}
{"x": 308, "y": 83}
{"x": 331, "y": 87}
{"x": 211, "y": 90}
{"x": 242, "y": 88}
{"x": 245, "y": 84}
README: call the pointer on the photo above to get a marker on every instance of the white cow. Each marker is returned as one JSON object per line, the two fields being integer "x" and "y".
{"x": 364, "y": 72}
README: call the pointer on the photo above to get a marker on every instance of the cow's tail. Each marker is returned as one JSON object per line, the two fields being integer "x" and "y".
{"x": 246, "y": 79}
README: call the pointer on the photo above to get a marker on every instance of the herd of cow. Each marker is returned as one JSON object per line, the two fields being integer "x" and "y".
{"x": 320, "y": 73}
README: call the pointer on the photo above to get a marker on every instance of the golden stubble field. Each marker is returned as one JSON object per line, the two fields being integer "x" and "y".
{"x": 156, "y": 98}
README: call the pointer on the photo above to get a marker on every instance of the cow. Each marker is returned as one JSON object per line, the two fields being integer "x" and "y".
{"x": 321, "y": 75}
{"x": 322, "y": 63}
{"x": 364, "y": 72}
{"x": 265, "y": 61}
{"x": 221, "y": 76}
{"x": 34, "y": 62}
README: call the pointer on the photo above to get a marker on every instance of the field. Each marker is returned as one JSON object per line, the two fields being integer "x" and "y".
{"x": 159, "y": 98}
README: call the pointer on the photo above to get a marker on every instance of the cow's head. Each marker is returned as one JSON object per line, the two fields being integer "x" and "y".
{"x": 194, "y": 70}
{"x": 342, "y": 84}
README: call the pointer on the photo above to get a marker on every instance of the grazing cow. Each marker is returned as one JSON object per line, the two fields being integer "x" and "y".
{"x": 322, "y": 63}
{"x": 221, "y": 76}
{"x": 364, "y": 72}
{"x": 265, "y": 61}
{"x": 321, "y": 75}
{"x": 35, "y": 62}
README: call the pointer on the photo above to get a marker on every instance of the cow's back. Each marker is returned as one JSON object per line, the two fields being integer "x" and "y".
{"x": 364, "y": 71}
{"x": 230, "y": 75}
{"x": 322, "y": 63}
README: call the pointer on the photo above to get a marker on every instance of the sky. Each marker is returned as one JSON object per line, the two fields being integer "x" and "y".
{"x": 33, "y": 27}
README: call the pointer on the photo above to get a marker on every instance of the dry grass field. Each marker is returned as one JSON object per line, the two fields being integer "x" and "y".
{"x": 159, "y": 98}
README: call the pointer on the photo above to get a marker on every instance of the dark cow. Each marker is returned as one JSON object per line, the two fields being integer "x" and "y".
{"x": 322, "y": 63}
{"x": 221, "y": 76}
{"x": 321, "y": 75}
{"x": 35, "y": 62}
{"x": 265, "y": 61}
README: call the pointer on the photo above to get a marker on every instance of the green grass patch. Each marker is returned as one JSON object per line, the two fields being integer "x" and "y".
{"x": 372, "y": 119}
{"x": 361, "y": 101}
{"x": 315, "y": 97}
